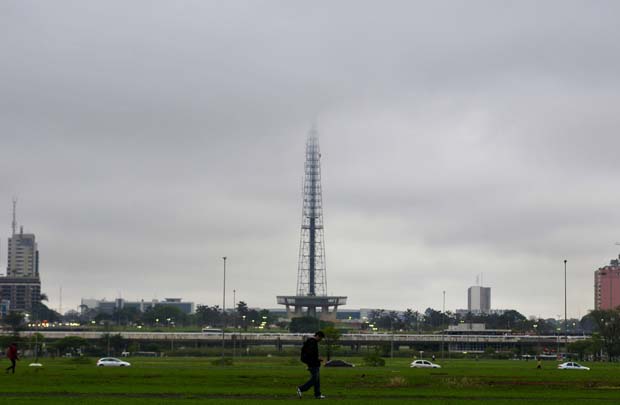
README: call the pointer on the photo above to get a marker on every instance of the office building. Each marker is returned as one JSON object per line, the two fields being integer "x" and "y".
{"x": 23, "y": 256}
{"x": 607, "y": 286}
{"x": 21, "y": 288}
{"x": 21, "y": 293}
{"x": 479, "y": 300}
{"x": 109, "y": 307}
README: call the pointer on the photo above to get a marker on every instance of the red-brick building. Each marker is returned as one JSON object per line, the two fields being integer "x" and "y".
{"x": 607, "y": 286}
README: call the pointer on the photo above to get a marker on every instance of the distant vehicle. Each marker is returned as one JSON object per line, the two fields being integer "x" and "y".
{"x": 572, "y": 366}
{"x": 424, "y": 364}
{"x": 112, "y": 362}
{"x": 212, "y": 330}
{"x": 338, "y": 363}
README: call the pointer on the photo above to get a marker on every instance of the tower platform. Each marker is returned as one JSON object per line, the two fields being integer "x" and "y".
{"x": 306, "y": 305}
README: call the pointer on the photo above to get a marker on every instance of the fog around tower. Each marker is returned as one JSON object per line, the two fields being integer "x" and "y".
{"x": 146, "y": 140}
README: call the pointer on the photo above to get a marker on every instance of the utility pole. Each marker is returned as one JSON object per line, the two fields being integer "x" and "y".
{"x": 392, "y": 341}
{"x": 565, "y": 317}
{"x": 443, "y": 315}
{"x": 223, "y": 307}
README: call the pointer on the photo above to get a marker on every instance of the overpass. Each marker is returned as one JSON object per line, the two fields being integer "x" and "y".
{"x": 455, "y": 343}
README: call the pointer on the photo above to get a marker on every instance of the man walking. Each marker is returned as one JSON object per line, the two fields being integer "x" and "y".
{"x": 11, "y": 354}
{"x": 310, "y": 356}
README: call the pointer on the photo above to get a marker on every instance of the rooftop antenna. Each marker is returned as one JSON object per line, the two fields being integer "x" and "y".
{"x": 14, "y": 224}
{"x": 481, "y": 283}
{"x": 477, "y": 279}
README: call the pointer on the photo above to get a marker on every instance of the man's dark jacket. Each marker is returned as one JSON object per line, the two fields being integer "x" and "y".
{"x": 310, "y": 353}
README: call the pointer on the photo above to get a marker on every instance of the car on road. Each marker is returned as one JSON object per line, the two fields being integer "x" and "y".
{"x": 212, "y": 331}
{"x": 112, "y": 362}
{"x": 338, "y": 363}
{"x": 424, "y": 364}
{"x": 572, "y": 366}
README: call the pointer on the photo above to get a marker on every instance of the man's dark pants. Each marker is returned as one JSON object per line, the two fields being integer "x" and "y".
{"x": 313, "y": 381}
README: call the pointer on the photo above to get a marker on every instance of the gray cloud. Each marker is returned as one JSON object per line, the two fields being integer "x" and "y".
{"x": 145, "y": 140}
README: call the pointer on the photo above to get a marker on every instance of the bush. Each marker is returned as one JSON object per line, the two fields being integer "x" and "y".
{"x": 373, "y": 359}
{"x": 223, "y": 361}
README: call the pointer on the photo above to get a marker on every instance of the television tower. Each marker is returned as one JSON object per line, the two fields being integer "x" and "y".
{"x": 311, "y": 274}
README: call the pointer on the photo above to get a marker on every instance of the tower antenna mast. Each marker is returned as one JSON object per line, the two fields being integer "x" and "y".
{"x": 311, "y": 298}
{"x": 14, "y": 223}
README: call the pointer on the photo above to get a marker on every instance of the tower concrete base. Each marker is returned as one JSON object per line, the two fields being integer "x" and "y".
{"x": 322, "y": 307}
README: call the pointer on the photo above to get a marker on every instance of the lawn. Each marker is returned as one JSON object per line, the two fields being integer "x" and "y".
{"x": 191, "y": 381}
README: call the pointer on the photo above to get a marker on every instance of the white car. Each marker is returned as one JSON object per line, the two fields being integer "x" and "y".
{"x": 572, "y": 366}
{"x": 112, "y": 362}
{"x": 424, "y": 364}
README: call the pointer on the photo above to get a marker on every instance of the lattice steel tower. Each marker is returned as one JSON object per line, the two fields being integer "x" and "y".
{"x": 311, "y": 277}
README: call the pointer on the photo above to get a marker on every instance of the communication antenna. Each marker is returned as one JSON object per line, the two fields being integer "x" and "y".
{"x": 477, "y": 279}
{"x": 481, "y": 282}
{"x": 14, "y": 224}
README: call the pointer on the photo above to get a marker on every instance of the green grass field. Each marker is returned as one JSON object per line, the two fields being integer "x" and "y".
{"x": 191, "y": 381}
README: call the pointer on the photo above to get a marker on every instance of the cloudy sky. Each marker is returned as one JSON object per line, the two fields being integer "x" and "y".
{"x": 147, "y": 139}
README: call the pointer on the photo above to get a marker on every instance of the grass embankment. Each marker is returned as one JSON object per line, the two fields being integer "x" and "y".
{"x": 191, "y": 381}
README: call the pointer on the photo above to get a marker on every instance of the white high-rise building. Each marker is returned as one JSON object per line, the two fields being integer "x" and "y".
{"x": 479, "y": 300}
{"x": 23, "y": 256}
{"x": 20, "y": 289}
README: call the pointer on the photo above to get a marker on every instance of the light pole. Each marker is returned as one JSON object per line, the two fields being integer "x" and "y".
{"x": 443, "y": 314}
{"x": 565, "y": 317}
{"x": 223, "y": 306}
{"x": 392, "y": 341}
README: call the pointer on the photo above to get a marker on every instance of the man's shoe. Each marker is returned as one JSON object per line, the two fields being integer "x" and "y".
{"x": 298, "y": 392}
{"x": 320, "y": 397}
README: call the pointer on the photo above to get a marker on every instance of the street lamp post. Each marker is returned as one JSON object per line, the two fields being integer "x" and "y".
{"x": 565, "y": 317}
{"x": 234, "y": 308}
{"x": 392, "y": 340}
{"x": 443, "y": 315}
{"x": 223, "y": 306}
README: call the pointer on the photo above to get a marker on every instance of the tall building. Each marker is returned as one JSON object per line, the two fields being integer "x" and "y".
{"x": 607, "y": 286}
{"x": 23, "y": 260}
{"x": 479, "y": 300}
{"x": 21, "y": 288}
{"x": 311, "y": 298}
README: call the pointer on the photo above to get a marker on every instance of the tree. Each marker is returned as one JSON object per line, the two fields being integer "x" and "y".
{"x": 581, "y": 347}
{"x": 410, "y": 319}
{"x": 307, "y": 324}
{"x": 128, "y": 315}
{"x": 332, "y": 337}
{"x": 113, "y": 343}
{"x": 433, "y": 319}
{"x": 608, "y": 323}
{"x": 242, "y": 313}
{"x": 70, "y": 344}
{"x": 208, "y": 316}
{"x": 164, "y": 314}
{"x": 40, "y": 312}
{"x": 14, "y": 320}
{"x": 242, "y": 308}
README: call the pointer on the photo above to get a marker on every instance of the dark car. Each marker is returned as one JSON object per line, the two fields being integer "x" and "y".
{"x": 338, "y": 363}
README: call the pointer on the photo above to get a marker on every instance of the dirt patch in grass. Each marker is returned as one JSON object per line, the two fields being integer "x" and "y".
{"x": 396, "y": 382}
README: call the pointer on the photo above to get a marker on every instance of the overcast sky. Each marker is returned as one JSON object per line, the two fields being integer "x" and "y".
{"x": 147, "y": 139}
